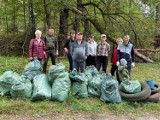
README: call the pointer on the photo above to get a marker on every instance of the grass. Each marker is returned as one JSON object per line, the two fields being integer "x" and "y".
{"x": 142, "y": 71}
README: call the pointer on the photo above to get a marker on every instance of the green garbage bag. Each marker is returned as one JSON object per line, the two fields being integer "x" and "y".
{"x": 54, "y": 71}
{"x": 32, "y": 69}
{"x": 94, "y": 84}
{"x": 131, "y": 86}
{"x": 75, "y": 76}
{"x": 79, "y": 88}
{"x": 91, "y": 69}
{"x": 21, "y": 89}
{"x": 41, "y": 88}
{"x": 61, "y": 87}
{"x": 4, "y": 90}
{"x": 109, "y": 90}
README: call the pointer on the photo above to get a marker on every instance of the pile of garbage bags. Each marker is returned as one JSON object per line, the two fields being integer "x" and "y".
{"x": 58, "y": 85}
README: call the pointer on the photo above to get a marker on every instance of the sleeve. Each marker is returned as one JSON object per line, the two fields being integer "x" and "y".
{"x": 71, "y": 49}
{"x": 56, "y": 45}
{"x": 86, "y": 49}
{"x": 118, "y": 53}
{"x": 133, "y": 54}
{"x": 44, "y": 46}
{"x": 66, "y": 44}
{"x": 31, "y": 47}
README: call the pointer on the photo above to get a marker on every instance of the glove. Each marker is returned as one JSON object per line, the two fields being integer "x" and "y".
{"x": 57, "y": 52}
{"x": 117, "y": 63}
{"x": 133, "y": 64}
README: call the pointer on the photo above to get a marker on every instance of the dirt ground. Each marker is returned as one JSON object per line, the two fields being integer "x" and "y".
{"x": 82, "y": 116}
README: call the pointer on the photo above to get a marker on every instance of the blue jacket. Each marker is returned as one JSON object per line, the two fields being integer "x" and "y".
{"x": 79, "y": 51}
{"x": 126, "y": 52}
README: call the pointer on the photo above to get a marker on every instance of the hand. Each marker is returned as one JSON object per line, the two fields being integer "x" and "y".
{"x": 65, "y": 50}
{"x": 117, "y": 63}
{"x": 85, "y": 57}
{"x": 133, "y": 64}
{"x": 57, "y": 52}
{"x": 31, "y": 58}
{"x": 45, "y": 55}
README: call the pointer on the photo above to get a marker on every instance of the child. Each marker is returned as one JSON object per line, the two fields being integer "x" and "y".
{"x": 123, "y": 71}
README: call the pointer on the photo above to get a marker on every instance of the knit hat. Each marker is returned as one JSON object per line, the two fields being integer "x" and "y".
{"x": 123, "y": 62}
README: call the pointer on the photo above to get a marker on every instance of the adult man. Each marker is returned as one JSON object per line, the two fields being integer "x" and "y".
{"x": 126, "y": 51}
{"x": 51, "y": 43}
{"x": 103, "y": 49}
{"x": 79, "y": 51}
{"x": 67, "y": 49}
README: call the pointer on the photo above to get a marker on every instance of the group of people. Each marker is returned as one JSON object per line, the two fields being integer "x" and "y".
{"x": 81, "y": 53}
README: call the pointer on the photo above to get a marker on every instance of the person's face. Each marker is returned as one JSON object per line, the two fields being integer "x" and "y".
{"x": 79, "y": 36}
{"x": 38, "y": 35}
{"x": 51, "y": 31}
{"x": 103, "y": 39}
{"x": 119, "y": 42}
{"x": 126, "y": 39}
{"x": 72, "y": 35}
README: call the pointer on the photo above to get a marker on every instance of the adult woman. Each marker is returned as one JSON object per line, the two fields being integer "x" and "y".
{"x": 37, "y": 46}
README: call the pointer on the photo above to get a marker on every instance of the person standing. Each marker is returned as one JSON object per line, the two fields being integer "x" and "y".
{"x": 102, "y": 53}
{"x": 92, "y": 47}
{"x": 67, "y": 49}
{"x": 113, "y": 58}
{"x": 37, "y": 47}
{"x": 51, "y": 43}
{"x": 126, "y": 51}
{"x": 79, "y": 53}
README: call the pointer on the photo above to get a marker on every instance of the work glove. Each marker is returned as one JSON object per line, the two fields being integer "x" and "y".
{"x": 133, "y": 64}
{"x": 57, "y": 52}
{"x": 117, "y": 63}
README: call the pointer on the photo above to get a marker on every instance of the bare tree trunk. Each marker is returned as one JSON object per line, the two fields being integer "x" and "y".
{"x": 32, "y": 26}
{"x": 77, "y": 19}
{"x": 24, "y": 14}
{"x": 157, "y": 37}
{"x": 63, "y": 29}
{"x": 47, "y": 14}
{"x": 86, "y": 29}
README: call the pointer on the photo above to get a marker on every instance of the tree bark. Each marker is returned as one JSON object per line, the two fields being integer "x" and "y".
{"x": 63, "y": 29}
{"x": 47, "y": 13}
{"x": 32, "y": 27}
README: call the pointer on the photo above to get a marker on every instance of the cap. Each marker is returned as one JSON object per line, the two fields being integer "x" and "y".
{"x": 103, "y": 35}
{"x": 123, "y": 62}
{"x": 79, "y": 33}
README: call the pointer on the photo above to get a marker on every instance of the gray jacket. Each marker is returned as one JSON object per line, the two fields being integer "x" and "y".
{"x": 78, "y": 51}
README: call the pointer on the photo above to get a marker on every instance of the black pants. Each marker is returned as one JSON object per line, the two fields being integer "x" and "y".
{"x": 70, "y": 61}
{"x": 91, "y": 60}
{"x": 113, "y": 69}
{"x": 53, "y": 59}
{"x": 102, "y": 61}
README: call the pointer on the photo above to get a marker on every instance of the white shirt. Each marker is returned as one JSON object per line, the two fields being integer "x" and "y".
{"x": 92, "y": 47}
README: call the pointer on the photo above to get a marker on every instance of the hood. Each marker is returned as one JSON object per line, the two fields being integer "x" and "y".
{"x": 120, "y": 68}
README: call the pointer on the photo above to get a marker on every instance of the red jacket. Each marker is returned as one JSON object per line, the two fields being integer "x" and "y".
{"x": 113, "y": 60}
{"x": 36, "y": 49}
